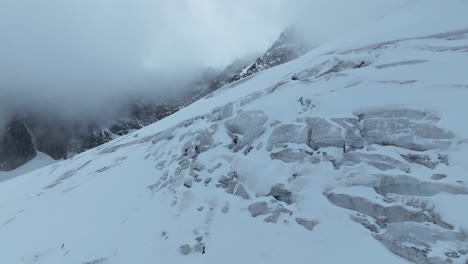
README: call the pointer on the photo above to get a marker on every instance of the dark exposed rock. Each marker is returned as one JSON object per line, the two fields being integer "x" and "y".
{"x": 188, "y": 183}
{"x": 242, "y": 192}
{"x": 53, "y": 135}
{"x": 420, "y": 159}
{"x": 225, "y": 208}
{"x": 226, "y": 76}
{"x": 17, "y": 146}
{"x": 185, "y": 249}
{"x": 97, "y": 261}
{"x": 273, "y": 218}
{"x": 230, "y": 182}
{"x": 281, "y": 193}
{"x": 361, "y": 219}
{"x": 227, "y": 179}
{"x": 307, "y": 224}
{"x": 443, "y": 159}
{"x": 438, "y": 176}
{"x": 329, "y": 68}
{"x": 97, "y": 138}
{"x": 207, "y": 180}
{"x": 199, "y": 247}
{"x": 123, "y": 127}
{"x": 287, "y": 47}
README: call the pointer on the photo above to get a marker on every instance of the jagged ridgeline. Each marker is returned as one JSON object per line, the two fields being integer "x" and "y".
{"x": 61, "y": 139}
{"x": 352, "y": 153}
{"x": 289, "y": 46}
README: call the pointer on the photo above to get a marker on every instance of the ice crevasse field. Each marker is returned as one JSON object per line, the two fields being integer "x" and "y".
{"x": 355, "y": 152}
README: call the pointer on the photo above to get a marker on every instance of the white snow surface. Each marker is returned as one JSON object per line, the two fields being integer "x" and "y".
{"x": 141, "y": 197}
{"x": 40, "y": 161}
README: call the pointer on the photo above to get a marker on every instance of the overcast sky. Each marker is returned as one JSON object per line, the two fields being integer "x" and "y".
{"x": 75, "y": 54}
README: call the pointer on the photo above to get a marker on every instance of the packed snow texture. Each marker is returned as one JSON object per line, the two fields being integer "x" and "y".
{"x": 40, "y": 161}
{"x": 353, "y": 153}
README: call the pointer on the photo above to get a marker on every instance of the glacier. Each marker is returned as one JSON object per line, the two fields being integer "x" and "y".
{"x": 354, "y": 152}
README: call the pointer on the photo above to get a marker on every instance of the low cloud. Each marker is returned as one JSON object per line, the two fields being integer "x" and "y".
{"x": 83, "y": 57}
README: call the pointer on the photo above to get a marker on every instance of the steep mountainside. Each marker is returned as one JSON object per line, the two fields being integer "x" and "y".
{"x": 227, "y": 75}
{"x": 61, "y": 139}
{"x": 289, "y": 46}
{"x": 353, "y": 153}
{"x": 17, "y": 146}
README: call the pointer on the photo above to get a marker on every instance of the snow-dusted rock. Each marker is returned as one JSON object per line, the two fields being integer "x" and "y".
{"x": 259, "y": 208}
{"x": 291, "y": 155}
{"x": 281, "y": 193}
{"x": 240, "y": 191}
{"x": 290, "y": 45}
{"x": 420, "y": 159}
{"x": 307, "y": 224}
{"x": 438, "y": 176}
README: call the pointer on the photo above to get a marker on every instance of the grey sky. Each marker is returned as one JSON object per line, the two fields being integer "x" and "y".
{"x": 79, "y": 54}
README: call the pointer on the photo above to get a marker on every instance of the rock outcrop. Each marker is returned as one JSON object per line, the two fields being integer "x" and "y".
{"x": 17, "y": 146}
{"x": 287, "y": 47}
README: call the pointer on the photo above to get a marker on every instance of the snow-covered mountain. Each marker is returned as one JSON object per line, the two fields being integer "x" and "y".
{"x": 289, "y": 46}
{"x": 229, "y": 73}
{"x": 353, "y": 153}
{"x": 60, "y": 138}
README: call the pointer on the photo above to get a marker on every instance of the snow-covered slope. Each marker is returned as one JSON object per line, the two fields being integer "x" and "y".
{"x": 353, "y": 153}
{"x": 41, "y": 160}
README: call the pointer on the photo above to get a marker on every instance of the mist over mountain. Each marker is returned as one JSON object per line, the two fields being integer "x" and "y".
{"x": 84, "y": 57}
{"x": 208, "y": 131}
{"x": 62, "y": 135}
{"x": 80, "y": 74}
{"x": 73, "y": 57}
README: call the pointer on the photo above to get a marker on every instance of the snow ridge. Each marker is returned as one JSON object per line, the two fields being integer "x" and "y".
{"x": 357, "y": 155}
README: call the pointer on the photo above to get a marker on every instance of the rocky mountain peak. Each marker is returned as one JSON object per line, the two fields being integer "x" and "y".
{"x": 289, "y": 46}
{"x": 17, "y": 145}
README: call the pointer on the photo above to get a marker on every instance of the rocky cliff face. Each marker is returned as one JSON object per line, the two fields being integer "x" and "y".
{"x": 287, "y": 47}
{"x": 227, "y": 75}
{"x": 17, "y": 146}
{"x": 62, "y": 139}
